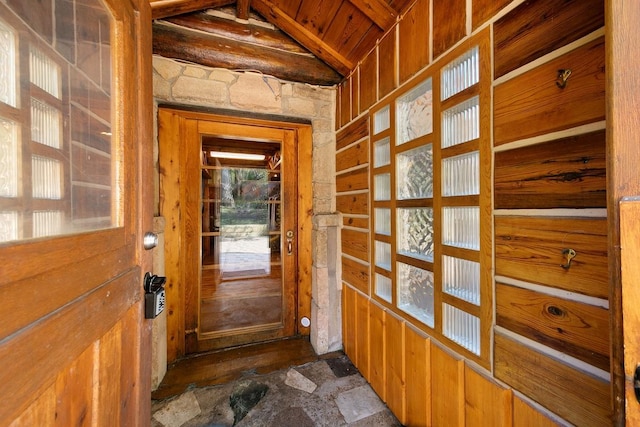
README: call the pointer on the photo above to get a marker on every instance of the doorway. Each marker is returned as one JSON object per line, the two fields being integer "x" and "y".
{"x": 231, "y": 193}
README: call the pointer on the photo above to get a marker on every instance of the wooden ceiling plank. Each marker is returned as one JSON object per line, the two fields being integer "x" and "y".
{"x": 378, "y": 11}
{"x": 242, "y": 9}
{"x": 316, "y": 46}
{"x": 317, "y": 15}
{"x": 166, "y": 8}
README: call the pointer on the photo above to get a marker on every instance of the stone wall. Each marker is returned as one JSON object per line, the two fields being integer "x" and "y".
{"x": 193, "y": 85}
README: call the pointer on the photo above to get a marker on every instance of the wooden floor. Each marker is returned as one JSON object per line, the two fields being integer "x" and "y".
{"x": 227, "y": 365}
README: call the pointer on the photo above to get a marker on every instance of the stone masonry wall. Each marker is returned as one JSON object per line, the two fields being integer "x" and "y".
{"x": 193, "y": 85}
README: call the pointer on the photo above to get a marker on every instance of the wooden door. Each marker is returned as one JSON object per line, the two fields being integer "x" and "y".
{"x": 74, "y": 344}
{"x": 234, "y": 253}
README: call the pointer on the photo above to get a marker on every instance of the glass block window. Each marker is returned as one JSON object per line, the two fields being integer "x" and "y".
{"x": 9, "y": 226}
{"x": 47, "y": 178}
{"x": 381, "y": 153}
{"x": 383, "y": 287}
{"x": 381, "y": 120}
{"x": 461, "y": 227}
{"x": 461, "y": 175}
{"x": 45, "y": 124}
{"x": 47, "y": 223}
{"x": 8, "y": 81}
{"x": 461, "y": 73}
{"x": 414, "y": 113}
{"x": 383, "y": 255}
{"x": 414, "y": 171}
{"x": 461, "y": 123}
{"x": 383, "y": 221}
{"x": 8, "y": 158}
{"x": 461, "y": 327}
{"x": 382, "y": 187}
{"x": 44, "y": 72}
{"x": 415, "y": 292}
{"x": 415, "y": 232}
{"x": 461, "y": 278}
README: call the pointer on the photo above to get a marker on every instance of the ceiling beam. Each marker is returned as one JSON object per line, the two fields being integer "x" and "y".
{"x": 242, "y": 9}
{"x": 165, "y": 8}
{"x": 277, "y": 17}
{"x": 378, "y": 11}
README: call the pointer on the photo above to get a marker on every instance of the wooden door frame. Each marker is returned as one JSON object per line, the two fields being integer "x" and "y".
{"x": 623, "y": 157}
{"x": 170, "y": 117}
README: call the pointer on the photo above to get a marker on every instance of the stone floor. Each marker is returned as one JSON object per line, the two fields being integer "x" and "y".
{"x": 327, "y": 392}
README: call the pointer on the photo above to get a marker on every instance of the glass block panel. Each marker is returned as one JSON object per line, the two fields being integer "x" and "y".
{"x": 414, "y": 169}
{"x": 461, "y": 123}
{"x": 383, "y": 287}
{"x": 461, "y": 73}
{"x": 381, "y": 153}
{"x": 461, "y": 278}
{"x": 9, "y": 226}
{"x": 415, "y": 232}
{"x": 461, "y": 175}
{"x": 44, "y": 72}
{"x": 382, "y": 187}
{"x": 47, "y": 223}
{"x": 46, "y": 178}
{"x": 383, "y": 255}
{"x": 8, "y": 81}
{"x": 45, "y": 124}
{"x": 8, "y": 158}
{"x": 414, "y": 113}
{"x": 383, "y": 221}
{"x": 381, "y": 120}
{"x": 415, "y": 292}
{"x": 461, "y": 227}
{"x": 461, "y": 327}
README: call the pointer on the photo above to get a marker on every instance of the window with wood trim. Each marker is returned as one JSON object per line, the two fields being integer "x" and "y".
{"x": 431, "y": 208}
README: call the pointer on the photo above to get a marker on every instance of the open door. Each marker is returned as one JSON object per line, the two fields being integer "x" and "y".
{"x": 75, "y": 196}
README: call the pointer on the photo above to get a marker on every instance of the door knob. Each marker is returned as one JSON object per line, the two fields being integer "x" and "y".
{"x": 150, "y": 240}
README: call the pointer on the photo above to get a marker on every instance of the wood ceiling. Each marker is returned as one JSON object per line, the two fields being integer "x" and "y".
{"x": 311, "y": 41}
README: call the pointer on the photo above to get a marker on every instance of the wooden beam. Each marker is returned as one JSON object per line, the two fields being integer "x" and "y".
{"x": 231, "y": 29}
{"x": 383, "y": 15}
{"x": 165, "y": 8}
{"x": 277, "y": 17}
{"x": 242, "y": 9}
{"x": 214, "y": 51}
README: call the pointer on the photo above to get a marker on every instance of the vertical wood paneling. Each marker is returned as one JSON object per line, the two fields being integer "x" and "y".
{"x": 526, "y": 416}
{"x": 482, "y": 10}
{"x": 345, "y": 102}
{"x": 355, "y": 94}
{"x": 486, "y": 403}
{"x": 349, "y": 314}
{"x": 447, "y": 383}
{"x": 110, "y": 374}
{"x": 41, "y": 412}
{"x": 418, "y": 378}
{"x": 387, "y": 64}
{"x": 449, "y": 24}
{"x": 362, "y": 336}
{"x": 74, "y": 391}
{"x": 369, "y": 80}
{"x": 305, "y": 230}
{"x": 413, "y": 35}
{"x": 377, "y": 350}
{"x": 395, "y": 373}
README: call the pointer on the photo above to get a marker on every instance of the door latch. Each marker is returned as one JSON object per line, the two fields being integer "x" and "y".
{"x": 289, "y": 242}
{"x": 154, "y": 296}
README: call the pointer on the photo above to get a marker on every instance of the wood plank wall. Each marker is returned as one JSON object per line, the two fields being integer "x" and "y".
{"x": 551, "y": 349}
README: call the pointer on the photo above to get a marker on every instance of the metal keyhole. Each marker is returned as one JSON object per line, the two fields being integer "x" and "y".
{"x": 289, "y": 242}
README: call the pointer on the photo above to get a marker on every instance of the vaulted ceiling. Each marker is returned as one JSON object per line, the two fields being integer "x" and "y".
{"x": 310, "y": 41}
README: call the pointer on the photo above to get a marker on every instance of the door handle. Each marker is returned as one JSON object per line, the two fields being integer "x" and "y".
{"x": 289, "y": 242}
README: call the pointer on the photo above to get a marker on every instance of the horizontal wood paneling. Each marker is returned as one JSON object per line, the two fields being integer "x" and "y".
{"x": 482, "y": 10}
{"x": 352, "y": 133}
{"x": 356, "y": 244}
{"x": 578, "y": 397}
{"x": 355, "y": 155}
{"x": 449, "y": 24}
{"x": 354, "y": 180}
{"x": 414, "y": 43}
{"x": 565, "y": 173}
{"x": 357, "y": 204}
{"x": 530, "y": 249}
{"x": 356, "y": 222}
{"x": 532, "y": 104}
{"x": 577, "y": 329}
{"x": 355, "y": 274}
{"x": 537, "y": 27}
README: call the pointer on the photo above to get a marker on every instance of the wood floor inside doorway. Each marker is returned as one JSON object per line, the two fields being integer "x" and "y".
{"x": 223, "y": 366}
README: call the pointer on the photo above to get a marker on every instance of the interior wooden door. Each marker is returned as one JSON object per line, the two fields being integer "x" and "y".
{"x": 238, "y": 188}
{"x": 75, "y": 142}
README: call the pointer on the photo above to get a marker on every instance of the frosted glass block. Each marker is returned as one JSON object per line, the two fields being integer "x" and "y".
{"x": 461, "y": 73}
{"x": 461, "y": 123}
{"x": 383, "y": 287}
{"x": 415, "y": 292}
{"x": 45, "y": 124}
{"x": 9, "y": 83}
{"x": 461, "y": 175}
{"x": 47, "y": 223}
{"x": 381, "y": 153}
{"x": 383, "y": 255}
{"x": 414, "y": 113}
{"x": 46, "y": 178}
{"x": 8, "y": 226}
{"x": 8, "y": 158}
{"x": 383, "y": 221}
{"x": 461, "y": 227}
{"x": 414, "y": 171}
{"x": 461, "y": 278}
{"x": 415, "y": 232}
{"x": 381, "y": 120}
{"x": 382, "y": 187}
{"x": 461, "y": 327}
{"x": 44, "y": 72}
